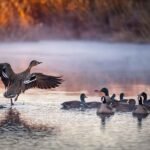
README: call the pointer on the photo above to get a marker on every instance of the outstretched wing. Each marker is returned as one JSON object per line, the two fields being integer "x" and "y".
{"x": 4, "y": 68}
{"x": 39, "y": 80}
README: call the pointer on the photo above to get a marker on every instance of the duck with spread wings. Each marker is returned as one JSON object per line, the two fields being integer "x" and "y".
{"x": 17, "y": 83}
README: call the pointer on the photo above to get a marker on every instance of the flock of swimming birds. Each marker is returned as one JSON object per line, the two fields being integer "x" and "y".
{"x": 109, "y": 105}
{"x": 17, "y": 83}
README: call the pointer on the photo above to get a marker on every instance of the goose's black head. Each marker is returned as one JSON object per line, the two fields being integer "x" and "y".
{"x": 144, "y": 95}
{"x": 105, "y": 91}
{"x": 121, "y": 96}
{"x": 34, "y": 63}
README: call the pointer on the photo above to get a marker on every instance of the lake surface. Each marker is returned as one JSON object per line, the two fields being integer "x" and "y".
{"x": 85, "y": 66}
{"x": 72, "y": 129}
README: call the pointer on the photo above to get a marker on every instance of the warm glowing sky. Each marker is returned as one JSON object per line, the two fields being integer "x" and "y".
{"x": 85, "y": 66}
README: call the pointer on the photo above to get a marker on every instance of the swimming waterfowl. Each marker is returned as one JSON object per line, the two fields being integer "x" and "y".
{"x": 104, "y": 108}
{"x": 124, "y": 105}
{"x": 80, "y": 104}
{"x": 106, "y": 94}
{"x": 140, "y": 109}
{"x": 15, "y": 84}
{"x": 122, "y": 100}
{"x": 145, "y": 100}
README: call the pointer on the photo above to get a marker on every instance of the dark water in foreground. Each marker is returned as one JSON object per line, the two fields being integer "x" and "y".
{"x": 71, "y": 130}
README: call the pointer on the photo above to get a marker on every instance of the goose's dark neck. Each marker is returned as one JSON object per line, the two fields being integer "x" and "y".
{"x": 107, "y": 93}
{"x": 82, "y": 99}
{"x": 140, "y": 102}
{"x": 121, "y": 97}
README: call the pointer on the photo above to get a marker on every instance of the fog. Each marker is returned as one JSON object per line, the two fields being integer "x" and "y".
{"x": 85, "y": 65}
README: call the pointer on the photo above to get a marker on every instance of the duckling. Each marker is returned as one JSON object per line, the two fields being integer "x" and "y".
{"x": 104, "y": 108}
{"x": 80, "y": 104}
{"x": 140, "y": 109}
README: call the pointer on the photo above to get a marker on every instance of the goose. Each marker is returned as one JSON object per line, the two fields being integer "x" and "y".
{"x": 17, "y": 83}
{"x": 145, "y": 100}
{"x": 122, "y": 100}
{"x": 140, "y": 109}
{"x": 81, "y": 103}
{"x": 106, "y": 94}
{"x": 132, "y": 102}
{"x": 125, "y": 105}
{"x": 104, "y": 108}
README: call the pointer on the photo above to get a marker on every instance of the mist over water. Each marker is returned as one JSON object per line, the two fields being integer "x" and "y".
{"x": 85, "y": 65}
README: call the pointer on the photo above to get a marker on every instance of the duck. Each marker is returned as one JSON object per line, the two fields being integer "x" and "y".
{"x": 17, "y": 83}
{"x": 80, "y": 104}
{"x": 104, "y": 108}
{"x": 140, "y": 109}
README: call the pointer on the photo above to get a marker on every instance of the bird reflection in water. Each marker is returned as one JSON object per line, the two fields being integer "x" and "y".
{"x": 140, "y": 118}
{"x": 104, "y": 118}
{"x": 12, "y": 122}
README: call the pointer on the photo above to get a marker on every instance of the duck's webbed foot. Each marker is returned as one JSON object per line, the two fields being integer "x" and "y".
{"x": 11, "y": 102}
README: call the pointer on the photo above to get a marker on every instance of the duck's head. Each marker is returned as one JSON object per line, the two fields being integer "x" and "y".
{"x": 121, "y": 96}
{"x": 34, "y": 63}
{"x": 83, "y": 96}
{"x": 144, "y": 95}
{"x": 103, "y": 99}
{"x": 140, "y": 100}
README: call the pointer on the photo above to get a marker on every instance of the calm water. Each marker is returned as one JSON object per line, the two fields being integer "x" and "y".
{"x": 85, "y": 66}
{"x": 73, "y": 129}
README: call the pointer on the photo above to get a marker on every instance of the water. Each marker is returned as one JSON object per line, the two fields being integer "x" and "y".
{"x": 84, "y": 66}
{"x": 74, "y": 129}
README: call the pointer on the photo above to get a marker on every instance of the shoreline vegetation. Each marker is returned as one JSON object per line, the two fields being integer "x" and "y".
{"x": 111, "y": 20}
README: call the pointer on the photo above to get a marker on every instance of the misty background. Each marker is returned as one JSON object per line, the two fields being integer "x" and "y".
{"x": 85, "y": 66}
